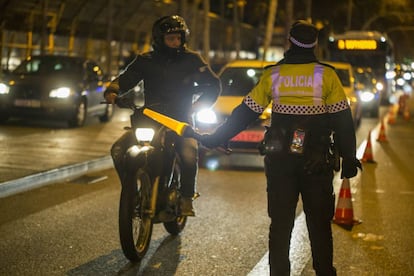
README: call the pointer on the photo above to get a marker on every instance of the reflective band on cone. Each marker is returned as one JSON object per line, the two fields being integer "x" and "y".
{"x": 344, "y": 213}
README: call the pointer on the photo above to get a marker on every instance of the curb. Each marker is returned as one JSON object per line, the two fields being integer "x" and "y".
{"x": 30, "y": 182}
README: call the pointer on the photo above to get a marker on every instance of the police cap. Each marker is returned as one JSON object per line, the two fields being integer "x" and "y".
{"x": 303, "y": 34}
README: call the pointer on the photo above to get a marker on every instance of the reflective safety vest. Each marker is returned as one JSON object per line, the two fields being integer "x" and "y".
{"x": 298, "y": 89}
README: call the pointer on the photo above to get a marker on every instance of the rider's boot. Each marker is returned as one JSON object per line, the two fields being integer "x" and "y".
{"x": 186, "y": 206}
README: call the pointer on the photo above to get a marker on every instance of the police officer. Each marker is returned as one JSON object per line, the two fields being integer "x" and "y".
{"x": 309, "y": 107}
{"x": 169, "y": 73}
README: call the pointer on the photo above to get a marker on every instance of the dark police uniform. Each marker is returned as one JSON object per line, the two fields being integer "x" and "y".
{"x": 309, "y": 105}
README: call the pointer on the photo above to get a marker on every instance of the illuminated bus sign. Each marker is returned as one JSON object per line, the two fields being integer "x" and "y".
{"x": 354, "y": 44}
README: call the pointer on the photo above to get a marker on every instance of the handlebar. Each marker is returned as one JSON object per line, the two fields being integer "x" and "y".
{"x": 181, "y": 128}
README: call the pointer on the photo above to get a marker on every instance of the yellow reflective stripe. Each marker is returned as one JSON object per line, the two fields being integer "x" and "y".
{"x": 317, "y": 85}
{"x": 275, "y": 84}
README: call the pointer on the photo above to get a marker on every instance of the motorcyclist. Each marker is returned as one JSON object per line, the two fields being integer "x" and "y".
{"x": 173, "y": 76}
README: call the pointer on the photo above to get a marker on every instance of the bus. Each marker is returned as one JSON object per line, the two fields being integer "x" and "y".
{"x": 366, "y": 49}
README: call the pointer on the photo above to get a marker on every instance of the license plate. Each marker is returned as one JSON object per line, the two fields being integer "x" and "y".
{"x": 249, "y": 136}
{"x": 27, "y": 103}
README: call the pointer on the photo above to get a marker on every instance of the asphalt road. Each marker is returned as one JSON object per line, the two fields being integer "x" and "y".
{"x": 71, "y": 227}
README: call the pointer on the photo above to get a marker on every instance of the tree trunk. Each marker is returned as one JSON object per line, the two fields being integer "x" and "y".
{"x": 269, "y": 27}
{"x": 192, "y": 44}
{"x": 236, "y": 28}
{"x": 206, "y": 31}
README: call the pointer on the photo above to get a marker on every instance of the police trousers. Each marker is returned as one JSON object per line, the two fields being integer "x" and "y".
{"x": 186, "y": 148}
{"x": 286, "y": 180}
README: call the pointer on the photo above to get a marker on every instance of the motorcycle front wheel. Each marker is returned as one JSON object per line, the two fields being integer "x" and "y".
{"x": 176, "y": 226}
{"x": 135, "y": 223}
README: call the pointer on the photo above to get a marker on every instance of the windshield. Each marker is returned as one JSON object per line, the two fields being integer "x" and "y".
{"x": 344, "y": 77}
{"x": 47, "y": 65}
{"x": 237, "y": 81}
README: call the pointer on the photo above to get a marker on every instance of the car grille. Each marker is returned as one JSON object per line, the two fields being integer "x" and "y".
{"x": 25, "y": 92}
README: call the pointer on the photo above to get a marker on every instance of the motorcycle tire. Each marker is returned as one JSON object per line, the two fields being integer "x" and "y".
{"x": 135, "y": 223}
{"x": 177, "y": 225}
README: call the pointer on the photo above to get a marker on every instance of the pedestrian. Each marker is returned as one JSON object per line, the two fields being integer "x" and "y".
{"x": 173, "y": 76}
{"x": 309, "y": 112}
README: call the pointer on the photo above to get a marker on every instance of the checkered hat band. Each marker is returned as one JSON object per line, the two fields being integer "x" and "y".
{"x": 302, "y": 45}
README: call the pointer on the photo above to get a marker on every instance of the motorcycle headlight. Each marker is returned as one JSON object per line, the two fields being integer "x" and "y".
{"x": 4, "y": 88}
{"x": 61, "y": 92}
{"x": 367, "y": 96}
{"x": 206, "y": 116}
{"x": 144, "y": 134}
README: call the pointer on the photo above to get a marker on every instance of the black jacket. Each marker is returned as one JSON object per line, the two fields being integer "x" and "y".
{"x": 171, "y": 81}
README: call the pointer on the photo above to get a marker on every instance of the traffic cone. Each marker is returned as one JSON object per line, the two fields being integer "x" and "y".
{"x": 406, "y": 114}
{"x": 381, "y": 135}
{"x": 368, "y": 157}
{"x": 391, "y": 116}
{"x": 344, "y": 212}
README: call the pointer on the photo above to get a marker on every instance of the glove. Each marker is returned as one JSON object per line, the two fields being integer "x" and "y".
{"x": 110, "y": 97}
{"x": 350, "y": 167}
{"x": 211, "y": 140}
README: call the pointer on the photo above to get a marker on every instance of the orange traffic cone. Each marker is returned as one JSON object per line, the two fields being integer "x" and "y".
{"x": 344, "y": 213}
{"x": 406, "y": 113}
{"x": 368, "y": 157}
{"x": 381, "y": 135}
{"x": 391, "y": 116}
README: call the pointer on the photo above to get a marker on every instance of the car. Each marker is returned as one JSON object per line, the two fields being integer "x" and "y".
{"x": 55, "y": 87}
{"x": 238, "y": 77}
{"x": 345, "y": 73}
{"x": 366, "y": 87}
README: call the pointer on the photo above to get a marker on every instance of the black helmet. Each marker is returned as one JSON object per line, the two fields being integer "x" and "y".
{"x": 167, "y": 25}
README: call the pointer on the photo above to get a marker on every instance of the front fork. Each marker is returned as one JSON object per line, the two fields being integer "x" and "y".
{"x": 154, "y": 196}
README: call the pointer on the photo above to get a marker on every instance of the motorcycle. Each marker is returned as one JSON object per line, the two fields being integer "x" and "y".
{"x": 150, "y": 190}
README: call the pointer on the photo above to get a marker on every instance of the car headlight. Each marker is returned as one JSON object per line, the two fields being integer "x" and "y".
{"x": 379, "y": 86}
{"x": 367, "y": 96}
{"x": 206, "y": 116}
{"x": 4, "y": 88}
{"x": 352, "y": 100}
{"x": 400, "y": 81}
{"x": 61, "y": 92}
{"x": 144, "y": 134}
